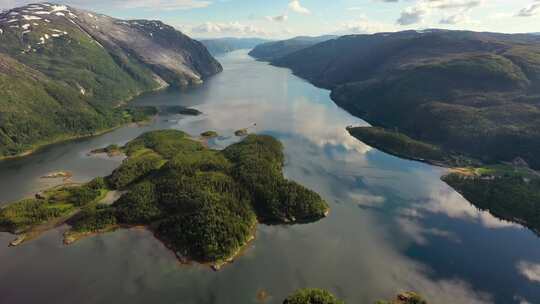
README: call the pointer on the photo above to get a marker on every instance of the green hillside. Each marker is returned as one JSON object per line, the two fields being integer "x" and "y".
{"x": 62, "y": 76}
{"x": 473, "y": 93}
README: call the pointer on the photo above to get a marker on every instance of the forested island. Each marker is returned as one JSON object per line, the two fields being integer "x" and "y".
{"x": 321, "y": 296}
{"x": 203, "y": 204}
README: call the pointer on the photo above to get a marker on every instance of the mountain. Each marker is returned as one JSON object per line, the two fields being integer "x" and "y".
{"x": 277, "y": 49}
{"x": 65, "y": 72}
{"x": 477, "y": 94}
{"x": 225, "y": 45}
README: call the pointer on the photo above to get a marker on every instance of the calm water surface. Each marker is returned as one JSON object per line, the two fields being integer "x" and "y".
{"x": 394, "y": 225}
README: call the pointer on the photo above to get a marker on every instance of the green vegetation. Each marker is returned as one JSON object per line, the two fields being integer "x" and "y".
{"x": 453, "y": 98}
{"x": 110, "y": 150}
{"x": 134, "y": 168}
{"x": 258, "y": 164}
{"x": 50, "y": 206}
{"x": 401, "y": 145}
{"x": 405, "y": 298}
{"x": 41, "y": 99}
{"x": 321, "y": 296}
{"x": 210, "y": 134}
{"x": 23, "y": 215}
{"x": 312, "y": 296}
{"x": 181, "y": 110}
{"x": 188, "y": 111}
{"x": 467, "y": 93}
{"x": 94, "y": 219}
{"x": 75, "y": 82}
{"x": 203, "y": 204}
{"x": 508, "y": 193}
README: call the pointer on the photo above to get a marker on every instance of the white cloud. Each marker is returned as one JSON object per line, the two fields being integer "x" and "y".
{"x": 367, "y": 200}
{"x": 529, "y": 270}
{"x": 456, "y": 11}
{"x": 296, "y": 7}
{"x": 228, "y": 28}
{"x": 521, "y": 300}
{"x": 279, "y": 18}
{"x": 164, "y": 4}
{"x": 413, "y": 15}
{"x": 364, "y": 26}
{"x": 454, "y": 4}
{"x": 420, "y": 234}
{"x": 128, "y": 4}
{"x": 459, "y": 18}
{"x": 531, "y": 10}
{"x": 452, "y": 204}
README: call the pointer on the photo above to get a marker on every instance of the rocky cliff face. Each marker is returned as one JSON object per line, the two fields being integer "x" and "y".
{"x": 64, "y": 71}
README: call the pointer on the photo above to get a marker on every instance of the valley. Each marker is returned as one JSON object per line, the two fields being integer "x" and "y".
{"x": 373, "y": 199}
{"x": 450, "y": 98}
{"x": 136, "y": 166}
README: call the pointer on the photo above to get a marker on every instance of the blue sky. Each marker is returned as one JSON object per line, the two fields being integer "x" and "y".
{"x": 286, "y": 18}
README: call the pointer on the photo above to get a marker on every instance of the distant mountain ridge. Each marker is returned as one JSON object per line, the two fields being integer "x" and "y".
{"x": 64, "y": 71}
{"x": 469, "y": 92}
{"x": 277, "y": 49}
{"x": 219, "y": 46}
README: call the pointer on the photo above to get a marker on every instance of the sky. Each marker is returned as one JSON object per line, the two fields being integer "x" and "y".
{"x": 277, "y": 19}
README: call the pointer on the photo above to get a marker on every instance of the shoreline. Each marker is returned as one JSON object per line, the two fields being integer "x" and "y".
{"x": 61, "y": 139}
{"x": 39, "y": 147}
{"x": 22, "y": 236}
{"x": 69, "y": 238}
{"x": 216, "y": 265}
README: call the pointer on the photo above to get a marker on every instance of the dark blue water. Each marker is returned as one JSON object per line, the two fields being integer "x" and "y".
{"x": 394, "y": 225}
